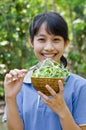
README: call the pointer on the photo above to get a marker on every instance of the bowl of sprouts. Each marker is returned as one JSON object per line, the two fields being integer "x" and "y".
{"x": 48, "y": 72}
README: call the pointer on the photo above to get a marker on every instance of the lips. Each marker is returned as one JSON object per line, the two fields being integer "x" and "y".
{"x": 46, "y": 55}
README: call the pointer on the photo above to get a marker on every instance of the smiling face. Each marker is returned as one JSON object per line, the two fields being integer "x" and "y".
{"x": 47, "y": 45}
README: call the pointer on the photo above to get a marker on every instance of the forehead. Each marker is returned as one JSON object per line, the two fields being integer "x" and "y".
{"x": 44, "y": 29}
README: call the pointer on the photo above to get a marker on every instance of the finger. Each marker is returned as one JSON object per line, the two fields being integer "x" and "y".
{"x": 61, "y": 88}
{"x": 8, "y": 77}
{"x": 18, "y": 73}
{"x": 14, "y": 75}
{"x": 44, "y": 97}
{"x": 23, "y": 72}
{"x": 20, "y": 80}
{"x": 51, "y": 91}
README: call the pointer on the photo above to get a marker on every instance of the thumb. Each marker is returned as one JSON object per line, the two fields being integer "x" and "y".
{"x": 20, "y": 81}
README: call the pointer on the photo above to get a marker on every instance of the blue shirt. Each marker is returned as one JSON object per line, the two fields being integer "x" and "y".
{"x": 36, "y": 115}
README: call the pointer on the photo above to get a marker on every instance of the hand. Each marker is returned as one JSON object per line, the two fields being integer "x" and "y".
{"x": 56, "y": 102}
{"x": 13, "y": 82}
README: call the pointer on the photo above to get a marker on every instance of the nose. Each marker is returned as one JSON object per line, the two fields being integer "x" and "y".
{"x": 49, "y": 46}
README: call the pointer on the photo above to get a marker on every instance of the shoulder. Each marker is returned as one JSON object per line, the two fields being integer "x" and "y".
{"x": 77, "y": 76}
{"x": 77, "y": 79}
{"x": 78, "y": 85}
{"x": 75, "y": 83}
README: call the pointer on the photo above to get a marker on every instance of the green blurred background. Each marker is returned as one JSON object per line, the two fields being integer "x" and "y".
{"x": 15, "y": 17}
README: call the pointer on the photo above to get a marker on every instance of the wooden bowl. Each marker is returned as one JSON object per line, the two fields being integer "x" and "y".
{"x": 39, "y": 84}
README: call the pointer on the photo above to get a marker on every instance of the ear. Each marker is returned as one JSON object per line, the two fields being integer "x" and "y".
{"x": 31, "y": 43}
{"x": 66, "y": 43}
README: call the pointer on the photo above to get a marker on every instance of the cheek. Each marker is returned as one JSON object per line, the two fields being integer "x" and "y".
{"x": 37, "y": 49}
{"x": 60, "y": 47}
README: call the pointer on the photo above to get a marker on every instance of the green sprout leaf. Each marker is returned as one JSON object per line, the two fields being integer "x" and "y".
{"x": 50, "y": 69}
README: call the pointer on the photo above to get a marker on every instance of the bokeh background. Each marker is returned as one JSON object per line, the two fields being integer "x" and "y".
{"x": 15, "y": 51}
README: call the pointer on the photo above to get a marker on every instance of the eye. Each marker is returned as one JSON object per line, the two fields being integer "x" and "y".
{"x": 41, "y": 39}
{"x": 56, "y": 39}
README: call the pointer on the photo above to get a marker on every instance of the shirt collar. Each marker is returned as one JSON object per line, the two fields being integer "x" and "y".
{"x": 27, "y": 78}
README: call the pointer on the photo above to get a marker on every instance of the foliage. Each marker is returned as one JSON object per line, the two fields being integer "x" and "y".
{"x": 15, "y": 17}
{"x": 75, "y": 12}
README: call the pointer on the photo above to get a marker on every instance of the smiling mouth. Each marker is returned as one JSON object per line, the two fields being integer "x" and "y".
{"x": 49, "y": 55}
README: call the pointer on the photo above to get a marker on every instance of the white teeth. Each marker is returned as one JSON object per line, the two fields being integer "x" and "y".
{"x": 49, "y": 55}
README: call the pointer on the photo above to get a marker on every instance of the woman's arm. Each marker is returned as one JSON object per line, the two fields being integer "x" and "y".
{"x": 68, "y": 122}
{"x": 14, "y": 121}
{"x": 12, "y": 85}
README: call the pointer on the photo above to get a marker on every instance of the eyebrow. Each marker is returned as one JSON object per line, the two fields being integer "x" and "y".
{"x": 44, "y": 35}
{"x": 41, "y": 35}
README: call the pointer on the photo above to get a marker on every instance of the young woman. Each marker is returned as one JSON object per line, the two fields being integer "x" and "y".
{"x": 27, "y": 109}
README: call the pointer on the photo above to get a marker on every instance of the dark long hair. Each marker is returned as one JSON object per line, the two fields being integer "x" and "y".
{"x": 55, "y": 24}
